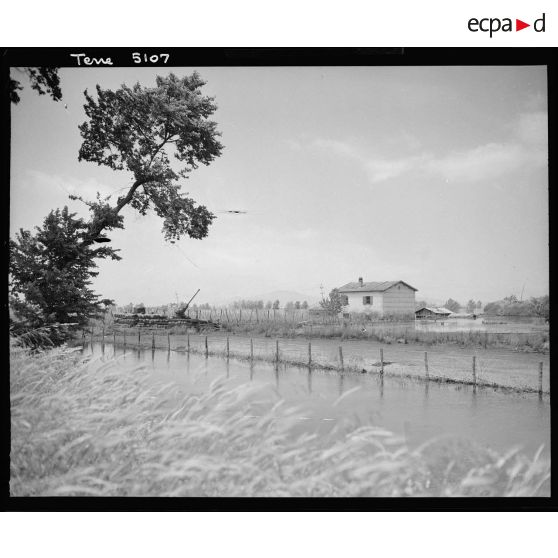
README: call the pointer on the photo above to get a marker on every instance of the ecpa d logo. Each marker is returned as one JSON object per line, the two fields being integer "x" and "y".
{"x": 494, "y": 24}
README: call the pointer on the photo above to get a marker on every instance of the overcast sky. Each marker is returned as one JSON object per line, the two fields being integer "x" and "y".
{"x": 434, "y": 176}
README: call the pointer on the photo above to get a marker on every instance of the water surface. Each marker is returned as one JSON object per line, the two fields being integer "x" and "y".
{"x": 418, "y": 411}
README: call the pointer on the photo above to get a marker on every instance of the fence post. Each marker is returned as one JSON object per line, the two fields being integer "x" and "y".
{"x": 92, "y": 329}
{"x": 103, "y": 335}
{"x": 475, "y": 370}
{"x": 251, "y": 349}
{"x": 153, "y": 341}
{"x": 124, "y": 335}
{"x": 341, "y": 357}
{"x": 139, "y": 336}
{"x": 227, "y": 346}
{"x": 114, "y": 338}
{"x": 277, "y": 350}
{"x": 309, "y": 354}
{"x": 426, "y": 363}
{"x": 188, "y": 342}
{"x": 83, "y": 335}
{"x": 168, "y": 339}
{"x": 206, "y": 348}
{"x": 382, "y": 362}
{"x": 540, "y": 378}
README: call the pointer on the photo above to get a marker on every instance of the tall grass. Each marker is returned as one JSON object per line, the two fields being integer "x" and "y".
{"x": 102, "y": 430}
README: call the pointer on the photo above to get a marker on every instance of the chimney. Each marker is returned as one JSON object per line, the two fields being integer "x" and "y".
{"x": 360, "y": 281}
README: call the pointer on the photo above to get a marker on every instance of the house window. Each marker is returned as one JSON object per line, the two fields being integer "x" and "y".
{"x": 366, "y": 300}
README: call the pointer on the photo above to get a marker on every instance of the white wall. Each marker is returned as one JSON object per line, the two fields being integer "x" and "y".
{"x": 355, "y": 302}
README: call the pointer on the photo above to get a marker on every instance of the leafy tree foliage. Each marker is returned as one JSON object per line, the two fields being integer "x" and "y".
{"x": 304, "y": 305}
{"x": 334, "y": 303}
{"x": 276, "y": 305}
{"x": 452, "y": 305}
{"x": 471, "y": 306}
{"x": 43, "y": 80}
{"x": 51, "y": 272}
{"x": 511, "y": 306}
{"x": 540, "y": 306}
{"x": 138, "y": 129}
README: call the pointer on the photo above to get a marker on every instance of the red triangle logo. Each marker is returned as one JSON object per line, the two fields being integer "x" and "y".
{"x": 519, "y": 25}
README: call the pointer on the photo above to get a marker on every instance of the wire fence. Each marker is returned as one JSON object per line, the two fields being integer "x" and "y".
{"x": 504, "y": 368}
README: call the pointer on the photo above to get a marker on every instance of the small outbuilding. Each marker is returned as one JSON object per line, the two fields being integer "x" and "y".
{"x": 429, "y": 313}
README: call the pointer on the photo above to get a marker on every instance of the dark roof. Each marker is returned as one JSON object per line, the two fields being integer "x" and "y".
{"x": 444, "y": 311}
{"x": 371, "y": 286}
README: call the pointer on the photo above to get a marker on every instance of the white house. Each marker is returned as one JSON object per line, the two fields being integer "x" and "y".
{"x": 381, "y": 297}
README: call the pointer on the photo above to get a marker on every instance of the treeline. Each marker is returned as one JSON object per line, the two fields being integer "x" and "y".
{"x": 511, "y": 306}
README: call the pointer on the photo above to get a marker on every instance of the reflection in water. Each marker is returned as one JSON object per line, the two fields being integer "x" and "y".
{"x": 497, "y": 419}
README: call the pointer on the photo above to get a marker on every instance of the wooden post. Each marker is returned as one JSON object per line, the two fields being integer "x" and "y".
{"x": 277, "y": 350}
{"x": 139, "y": 336}
{"x": 124, "y": 335}
{"x": 227, "y": 347}
{"x": 382, "y": 362}
{"x": 153, "y": 341}
{"x": 168, "y": 339}
{"x": 114, "y": 338}
{"x": 309, "y": 354}
{"x": 83, "y": 335}
{"x": 257, "y": 317}
{"x": 240, "y": 316}
{"x": 92, "y": 328}
{"x": 426, "y": 363}
{"x": 206, "y": 348}
{"x": 103, "y": 335}
{"x": 475, "y": 370}
{"x": 188, "y": 342}
{"x": 540, "y": 378}
{"x": 341, "y": 357}
{"x": 251, "y": 349}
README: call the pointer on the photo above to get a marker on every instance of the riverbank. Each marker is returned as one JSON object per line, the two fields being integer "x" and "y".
{"x": 106, "y": 430}
{"x": 497, "y": 367}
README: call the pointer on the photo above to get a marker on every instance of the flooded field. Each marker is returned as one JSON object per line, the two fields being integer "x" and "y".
{"x": 417, "y": 411}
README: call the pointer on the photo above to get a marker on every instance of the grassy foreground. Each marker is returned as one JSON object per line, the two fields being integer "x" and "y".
{"x": 101, "y": 430}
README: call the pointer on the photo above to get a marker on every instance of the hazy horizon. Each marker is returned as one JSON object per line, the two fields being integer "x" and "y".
{"x": 436, "y": 176}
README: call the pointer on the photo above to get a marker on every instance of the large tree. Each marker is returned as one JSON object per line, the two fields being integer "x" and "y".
{"x": 50, "y": 273}
{"x": 139, "y": 129}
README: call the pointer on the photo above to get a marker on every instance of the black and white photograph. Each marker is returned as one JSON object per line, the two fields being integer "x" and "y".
{"x": 278, "y": 280}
